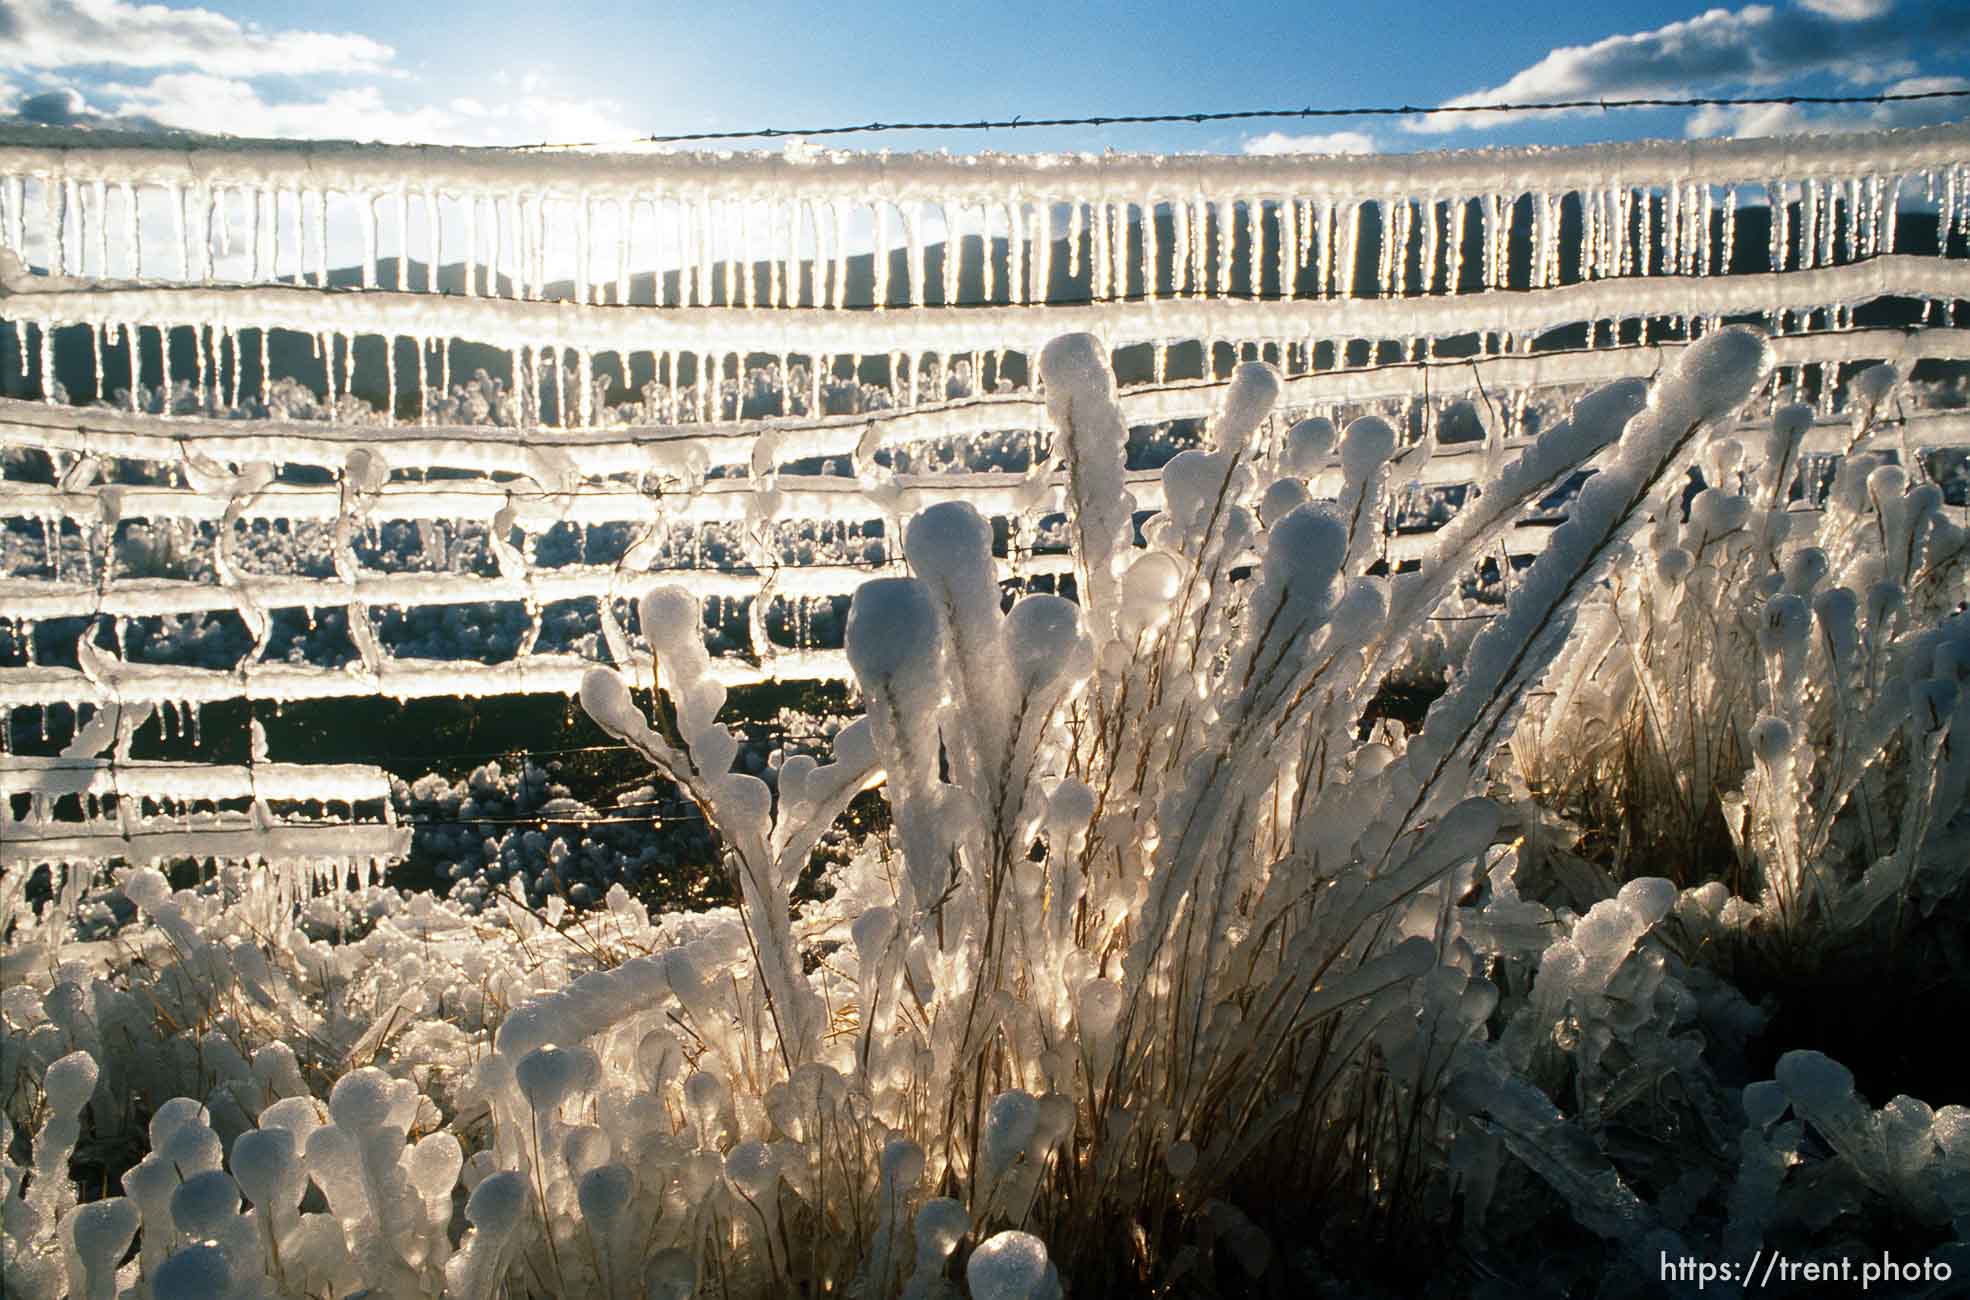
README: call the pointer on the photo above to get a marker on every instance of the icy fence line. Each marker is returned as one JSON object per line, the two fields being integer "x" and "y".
{"x": 1007, "y": 496}
{"x": 553, "y": 349}
{"x": 156, "y": 811}
{"x": 778, "y": 229}
{"x": 799, "y": 496}
{"x": 557, "y": 458}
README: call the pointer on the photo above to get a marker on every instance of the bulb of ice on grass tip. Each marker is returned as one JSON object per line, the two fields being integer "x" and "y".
{"x": 1249, "y": 397}
{"x": 498, "y": 1203}
{"x": 266, "y": 1169}
{"x": 546, "y": 1076}
{"x": 1098, "y": 1006}
{"x": 902, "y": 1164}
{"x": 200, "y": 1272}
{"x": 433, "y": 1165}
{"x": 1366, "y": 447}
{"x": 940, "y": 1225}
{"x": 1010, "y": 1122}
{"x": 1041, "y": 633}
{"x": 704, "y": 1095}
{"x": 1771, "y": 740}
{"x": 1714, "y": 375}
{"x": 892, "y": 631}
{"x": 584, "y": 1148}
{"x": 603, "y": 1194}
{"x": 605, "y": 698}
{"x": 366, "y": 1100}
{"x": 1012, "y": 1266}
{"x": 69, "y": 1082}
{"x": 102, "y": 1231}
{"x": 1308, "y": 445}
{"x": 201, "y": 1205}
{"x": 1281, "y": 499}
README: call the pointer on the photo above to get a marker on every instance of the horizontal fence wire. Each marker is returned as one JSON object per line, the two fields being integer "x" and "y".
{"x": 1604, "y": 104}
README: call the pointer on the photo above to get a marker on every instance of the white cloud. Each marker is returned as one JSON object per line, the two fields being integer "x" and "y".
{"x": 1756, "y": 46}
{"x": 1334, "y": 142}
{"x": 1849, "y": 10}
{"x": 1742, "y": 121}
{"x": 76, "y": 33}
{"x": 198, "y": 101}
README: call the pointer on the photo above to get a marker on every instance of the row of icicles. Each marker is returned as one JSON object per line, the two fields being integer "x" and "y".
{"x": 502, "y": 242}
{"x": 577, "y": 388}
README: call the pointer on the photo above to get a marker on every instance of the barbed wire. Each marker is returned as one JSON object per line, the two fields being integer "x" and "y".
{"x": 1020, "y": 121}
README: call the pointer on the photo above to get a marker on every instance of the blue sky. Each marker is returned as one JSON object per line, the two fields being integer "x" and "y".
{"x": 518, "y": 73}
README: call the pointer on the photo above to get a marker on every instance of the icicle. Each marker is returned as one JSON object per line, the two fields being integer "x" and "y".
{"x": 1074, "y": 240}
{"x": 177, "y": 194}
{"x": 584, "y": 266}
{"x": 99, "y": 191}
{"x": 584, "y": 383}
{"x": 1384, "y": 248}
{"x": 1728, "y": 252}
{"x": 917, "y": 292}
{"x": 1183, "y": 250}
{"x": 1672, "y": 229}
{"x": 1101, "y": 267}
{"x": 469, "y": 214}
{"x": 1946, "y": 214}
{"x": 838, "y": 276}
{"x": 321, "y": 240}
{"x": 951, "y": 246}
{"x": 266, "y": 370}
{"x": 198, "y": 368}
{"x": 1549, "y": 269}
{"x": 96, "y": 347}
{"x": 1224, "y": 211}
{"x": 1891, "y": 212}
{"x": 47, "y": 328}
{"x": 133, "y": 230}
{"x": 1043, "y": 288}
{"x": 625, "y": 232}
{"x": 1117, "y": 217}
{"x": 1349, "y": 254}
{"x": 1432, "y": 240}
{"x": 1018, "y": 231}
{"x": 1829, "y": 214}
{"x": 325, "y": 343}
{"x": 739, "y": 261}
{"x": 297, "y": 222}
{"x": 56, "y": 198}
{"x": 1287, "y": 213}
{"x": 722, "y": 234}
{"x": 366, "y": 211}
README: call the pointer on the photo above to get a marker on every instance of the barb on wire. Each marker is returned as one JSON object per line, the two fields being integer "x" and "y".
{"x": 1248, "y": 115}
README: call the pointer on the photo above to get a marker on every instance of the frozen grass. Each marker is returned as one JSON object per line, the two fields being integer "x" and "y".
{"x": 1163, "y": 966}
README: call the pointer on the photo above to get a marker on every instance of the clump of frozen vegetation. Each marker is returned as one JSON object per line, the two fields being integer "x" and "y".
{"x": 1787, "y": 671}
{"x": 1160, "y": 962}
